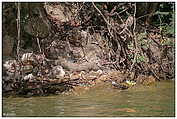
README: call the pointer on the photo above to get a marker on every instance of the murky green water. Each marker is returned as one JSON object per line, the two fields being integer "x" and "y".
{"x": 156, "y": 100}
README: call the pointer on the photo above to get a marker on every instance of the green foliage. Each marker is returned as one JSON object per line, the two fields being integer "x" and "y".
{"x": 170, "y": 30}
{"x": 130, "y": 46}
{"x": 143, "y": 41}
{"x": 167, "y": 29}
{"x": 130, "y": 56}
{"x": 167, "y": 41}
{"x": 140, "y": 59}
{"x": 166, "y": 18}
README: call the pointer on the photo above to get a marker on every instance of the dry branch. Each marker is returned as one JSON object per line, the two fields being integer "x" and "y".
{"x": 18, "y": 29}
{"x": 101, "y": 14}
{"x": 135, "y": 41}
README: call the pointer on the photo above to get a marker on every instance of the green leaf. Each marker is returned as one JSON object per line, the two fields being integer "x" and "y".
{"x": 140, "y": 59}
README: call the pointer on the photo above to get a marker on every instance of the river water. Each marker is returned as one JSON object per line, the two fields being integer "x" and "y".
{"x": 155, "y": 100}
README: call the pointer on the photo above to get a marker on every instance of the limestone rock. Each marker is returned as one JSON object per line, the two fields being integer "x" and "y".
{"x": 58, "y": 12}
{"x": 58, "y": 72}
{"x": 37, "y": 27}
{"x": 8, "y": 43}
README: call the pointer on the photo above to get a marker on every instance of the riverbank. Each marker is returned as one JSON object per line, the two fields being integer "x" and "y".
{"x": 78, "y": 49}
{"x": 27, "y": 82}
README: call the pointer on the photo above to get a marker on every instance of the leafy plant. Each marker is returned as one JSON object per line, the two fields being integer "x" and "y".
{"x": 143, "y": 41}
{"x": 140, "y": 59}
{"x": 167, "y": 41}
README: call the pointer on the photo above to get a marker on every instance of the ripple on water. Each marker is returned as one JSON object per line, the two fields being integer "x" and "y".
{"x": 156, "y": 100}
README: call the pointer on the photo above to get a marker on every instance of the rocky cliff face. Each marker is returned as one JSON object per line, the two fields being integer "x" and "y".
{"x": 8, "y": 44}
{"x": 8, "y": 28}
{"x": 77, "y": 33}
{"x": 33, "y": 24}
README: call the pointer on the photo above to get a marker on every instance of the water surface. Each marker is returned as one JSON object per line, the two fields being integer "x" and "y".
{"x": 155, "y": 100}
